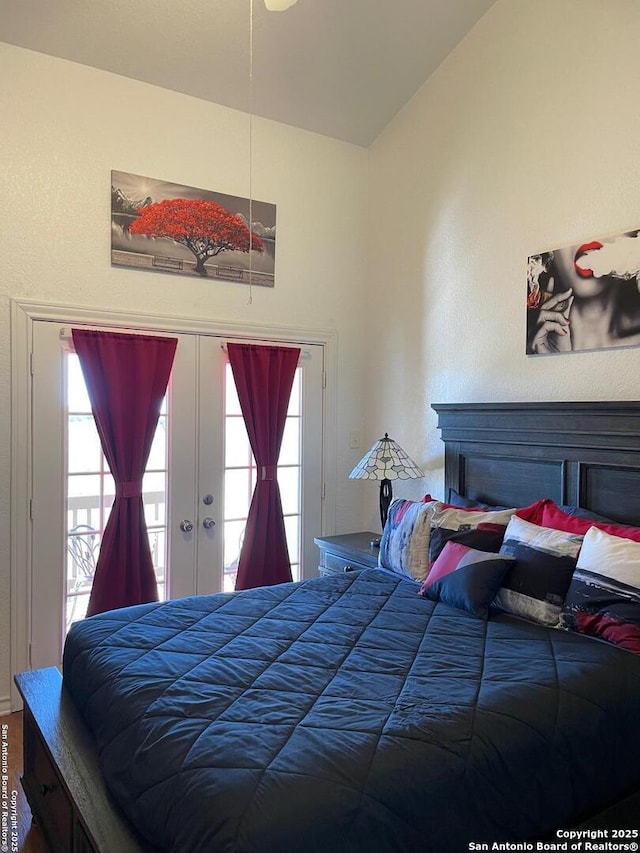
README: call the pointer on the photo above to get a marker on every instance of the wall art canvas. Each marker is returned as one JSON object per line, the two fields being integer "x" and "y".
{"x": 585, "y": 296}
{"x": 166, "y": 227}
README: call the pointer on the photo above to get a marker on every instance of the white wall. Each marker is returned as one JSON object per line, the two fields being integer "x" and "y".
{"x": 64, "y": 127}
{"x": 526, "y": 138}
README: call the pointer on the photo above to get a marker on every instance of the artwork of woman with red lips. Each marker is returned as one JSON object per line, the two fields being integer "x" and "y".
{"x": 585, "y": 297}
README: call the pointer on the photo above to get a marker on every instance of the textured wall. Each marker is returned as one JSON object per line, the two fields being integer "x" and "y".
{"x": 64, "y": 127}
{"x": 525, "y": 139}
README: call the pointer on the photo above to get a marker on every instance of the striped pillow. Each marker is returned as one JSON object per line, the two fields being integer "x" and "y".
{"x": 404, "y": 547}
{"x": 604, "y": 596}
{"x": 537, "y": 585}
{"x": 473, "y": 527}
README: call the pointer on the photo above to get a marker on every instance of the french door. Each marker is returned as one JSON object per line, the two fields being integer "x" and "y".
{"x": 197, "y": 486}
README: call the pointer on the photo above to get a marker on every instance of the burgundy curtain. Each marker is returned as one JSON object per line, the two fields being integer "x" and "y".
{"x": 264, "y": 376}
{"x": 126, "y": 377}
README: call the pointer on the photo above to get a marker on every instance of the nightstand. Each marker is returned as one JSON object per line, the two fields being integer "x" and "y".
{"x": 348, "y": 552}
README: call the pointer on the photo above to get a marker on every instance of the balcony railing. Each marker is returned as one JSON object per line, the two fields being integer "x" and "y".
{"x": 83, "y": 547}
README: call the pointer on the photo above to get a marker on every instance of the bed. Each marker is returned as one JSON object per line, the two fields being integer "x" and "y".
{"x": 348, "y": 713}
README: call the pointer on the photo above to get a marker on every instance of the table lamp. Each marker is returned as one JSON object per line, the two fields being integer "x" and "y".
{"x": 386, "y": 461}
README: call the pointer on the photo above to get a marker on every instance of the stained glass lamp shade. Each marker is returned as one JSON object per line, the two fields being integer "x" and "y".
{"x": 386, "y": 461}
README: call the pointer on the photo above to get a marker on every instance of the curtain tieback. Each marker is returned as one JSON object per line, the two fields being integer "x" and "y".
{"x": 129, "y": 489}
{"x": 268, "y": 472}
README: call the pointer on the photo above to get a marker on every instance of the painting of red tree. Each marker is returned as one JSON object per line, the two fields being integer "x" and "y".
{"x": 204, "y": 227}
{"x": 173, "y": 228}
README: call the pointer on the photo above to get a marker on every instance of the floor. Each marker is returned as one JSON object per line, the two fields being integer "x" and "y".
{"x": 29, "y": 838}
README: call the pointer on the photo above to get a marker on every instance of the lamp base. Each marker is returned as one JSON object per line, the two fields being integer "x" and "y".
{"x": 386, "y": 493}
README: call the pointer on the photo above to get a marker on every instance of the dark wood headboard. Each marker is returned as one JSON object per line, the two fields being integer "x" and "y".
{"x": 583, "y": 454}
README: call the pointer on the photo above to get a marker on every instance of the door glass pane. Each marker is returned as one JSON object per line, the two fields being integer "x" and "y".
{"x": 295, "y": 398}
{"x": 233, "y": 536}
{"x": 157, "y": 460}
{"x": 84, "y": 444}
{"x": 231, "y": 402}
{"x": 289, "y": 479}
{"x": 290, "y": 447}
{"x": 77, "y": 397}
{"x": 292, "y": 526}
{"x": 237, "y": 450}
{"x": 82, "y": 506}
{"x": 91, "y": 491}
{"x": 158, "y": 546}
{"x": 154, "y": 498}
{"x": 237, "y": 491}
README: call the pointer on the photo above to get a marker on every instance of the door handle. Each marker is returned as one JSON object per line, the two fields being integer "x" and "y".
{"x": 208, "y": 523}
{"x": 186, "y": 526}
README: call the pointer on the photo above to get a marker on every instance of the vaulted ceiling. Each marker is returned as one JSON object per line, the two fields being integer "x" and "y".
{"x": 342, "y": 68}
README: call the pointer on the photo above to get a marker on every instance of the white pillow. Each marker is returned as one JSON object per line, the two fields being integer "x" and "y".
{"x": 453, "y": 518}
{"x": 604, "y": 597}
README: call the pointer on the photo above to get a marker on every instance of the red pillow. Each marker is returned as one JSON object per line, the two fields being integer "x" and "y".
{"x": 551, "y": 515}
{"x": 533, "y": 512}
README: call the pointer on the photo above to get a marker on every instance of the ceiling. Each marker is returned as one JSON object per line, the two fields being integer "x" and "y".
{"x": 342, "y": 68}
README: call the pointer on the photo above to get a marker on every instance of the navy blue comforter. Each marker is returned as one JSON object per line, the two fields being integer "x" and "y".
{"x": 348, "y": 714}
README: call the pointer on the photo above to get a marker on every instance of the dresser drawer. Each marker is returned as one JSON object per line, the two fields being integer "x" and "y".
{"x": 347, "y": 552}
{"x": 336, "y": 563}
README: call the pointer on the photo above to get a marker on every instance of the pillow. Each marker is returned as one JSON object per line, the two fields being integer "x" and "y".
{"x": 484, "y": 537}
{"x": 551, "y": 515}
{"x": 448, "y": 521}
{"x": 533, "y": 513}
{"x": 404, "y": 546}
{"x": 458, "y": 500}
{"x": 466, "y": 578}
{"x": 581, "y": 512}
{"x": 604, "y": 596}
{"x": 546, "y": 560}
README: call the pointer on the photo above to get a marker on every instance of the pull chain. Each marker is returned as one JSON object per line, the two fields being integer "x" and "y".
{"x": 250, "y": 302}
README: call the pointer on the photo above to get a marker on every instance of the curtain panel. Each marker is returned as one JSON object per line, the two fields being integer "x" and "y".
{"x": 264, "y": 377}
{"x": 126, "y": 377}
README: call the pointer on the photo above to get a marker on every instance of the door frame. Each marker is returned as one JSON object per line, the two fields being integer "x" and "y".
{"x": 23, "y": 314}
